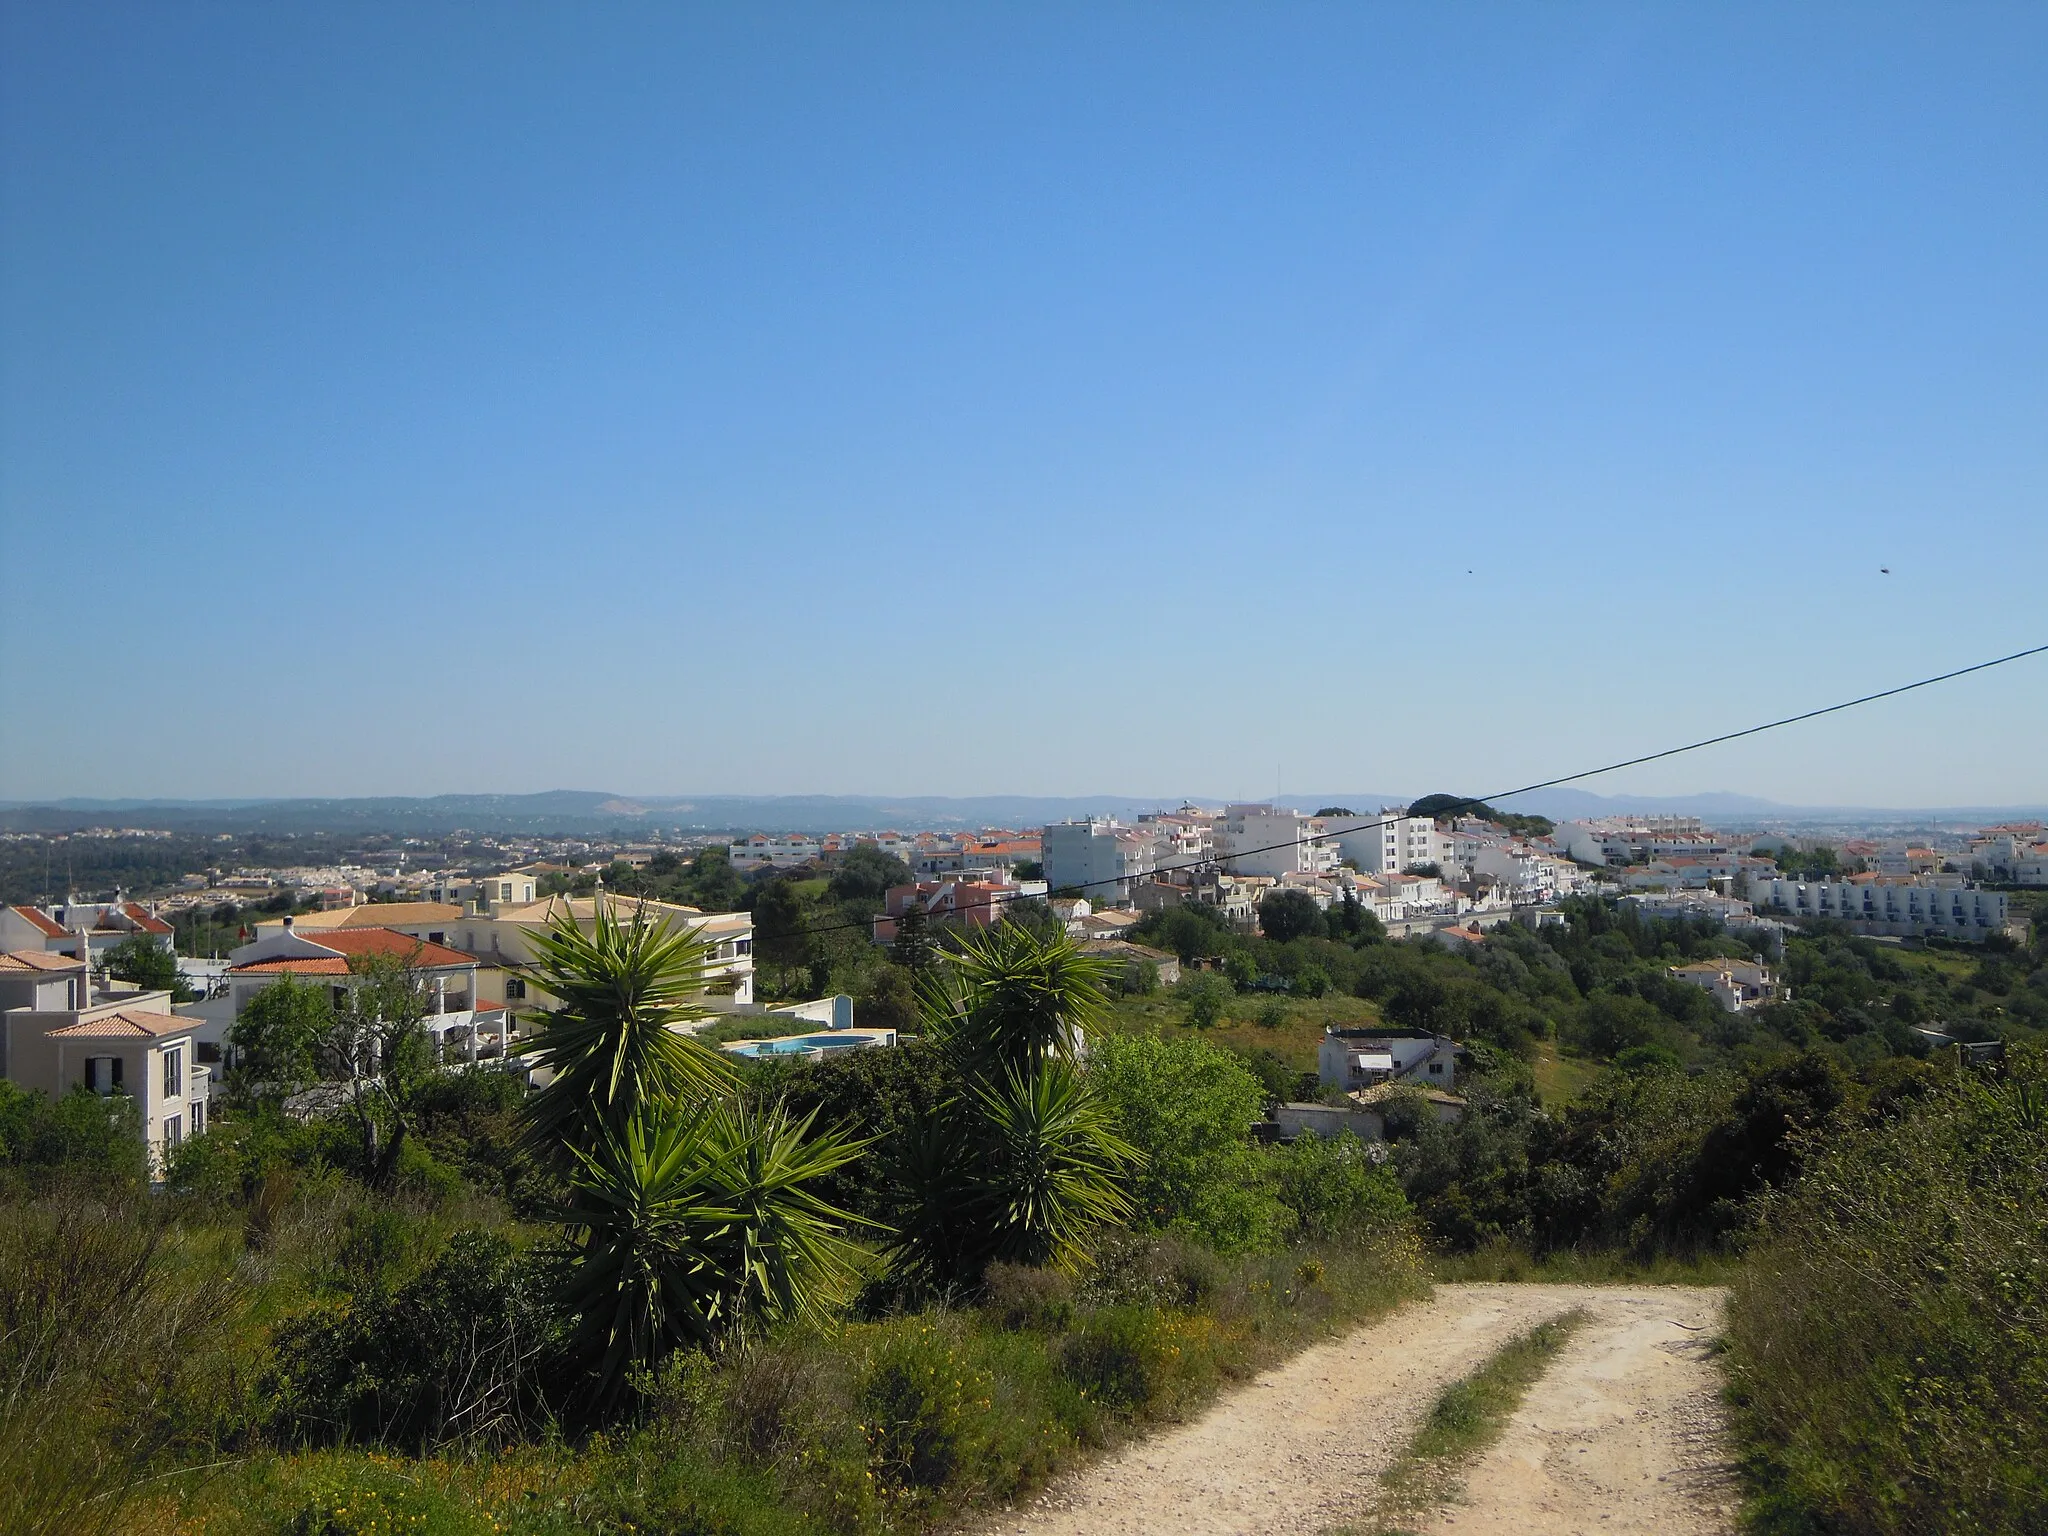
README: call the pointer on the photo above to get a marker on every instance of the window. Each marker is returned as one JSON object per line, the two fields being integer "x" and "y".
{"x": 437, "y": 938}
{"x": 504, "y": 890}
{"x": 514, "y": 987}
{"x": 1436, "y": 1069}
{"x": 103, "y": 1073}
{"x": 174, "y": 1072}
{"x": 198, "y": 1116}
{"x": 338, "y": 996}
{"x": 174, "y": 1132}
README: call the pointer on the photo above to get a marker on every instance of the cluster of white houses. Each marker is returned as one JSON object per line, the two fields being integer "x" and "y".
{"x": 65, "y": 1024}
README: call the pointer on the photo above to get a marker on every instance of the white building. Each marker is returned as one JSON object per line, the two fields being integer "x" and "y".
{"x": 1273, "y": 841}
{"x": 789, "y": 850}
{"x": 1365, "y": 1058}
{"x": 1736, "y": 984}
{"x": 1942, "y": 905}
{"x": 1626, "y": 839}
{"x": 1103, "y": 858}
{"x": 1391, "y": 842}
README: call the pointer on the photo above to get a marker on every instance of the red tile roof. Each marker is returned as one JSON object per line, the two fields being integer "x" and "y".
{"x": 125, "y": 1025}
{"x": 349, "y": 942}
{"x": 142, "y": 919}
{"x": 17, "y": 961}
{"x": 47, "y": 925}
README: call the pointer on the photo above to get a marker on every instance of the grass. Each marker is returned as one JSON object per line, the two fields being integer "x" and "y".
{"x": 1296, "y": 1039}
{"x": 1569, "y": 1266}
{"x": 1466, "y": 1418}
{"x": 1560, "y": 1079}
{"x": 860, "y": 1428}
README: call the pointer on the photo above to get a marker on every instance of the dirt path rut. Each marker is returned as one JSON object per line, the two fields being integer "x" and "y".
{"x": 1623, "y": 1433}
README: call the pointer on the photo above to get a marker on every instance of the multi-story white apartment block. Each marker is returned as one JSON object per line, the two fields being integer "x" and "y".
{"x": 1626, "y": 839}
{"x": 790, "y": 850}
{"x": 1103, "y": 858}
{"x": 1391, "y": 842}
{"x": 1273, "y": 841}
{"x": 1942, "y": 905}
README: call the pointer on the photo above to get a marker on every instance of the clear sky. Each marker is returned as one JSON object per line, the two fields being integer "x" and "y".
{"x": 1142, "y": 399}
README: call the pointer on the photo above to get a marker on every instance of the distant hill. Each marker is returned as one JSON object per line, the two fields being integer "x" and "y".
{"x": 596, "y": 813}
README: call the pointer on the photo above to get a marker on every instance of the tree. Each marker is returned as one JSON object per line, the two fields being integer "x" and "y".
{"x": 1437, "y": 807}
{"x": 1288, "y": 915}
{"x": 695, "y": 1224}
{"x": 146, "y": 963}
{"x": 1336, "y": 810}
{"x": 379, "y": 1051}
{"x": 277, "y": 1040}
{"x": 1202, "y": 998}
{"x": 1028, "y": 869}
{"x": 913, "y": 947}
{"x": 1189, "y": 1108}
{"x": 866, "y": 874}
{"x": 691, "y": 1215}
{"x": 782, "y": 936}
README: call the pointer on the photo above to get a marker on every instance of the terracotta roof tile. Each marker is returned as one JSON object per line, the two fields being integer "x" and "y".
{"x": 46, "y": 924}
{"x": 23, "y": 960}
{"x": 141, "y": 917}
{"x": 125, "y": 1025}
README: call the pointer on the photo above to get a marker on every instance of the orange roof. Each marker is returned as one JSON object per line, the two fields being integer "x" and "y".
{"x": 350, "y": 942}
{"x": 47, "y": 925}
{"x": 297, "y": 965}
{"x": 141, "y": 918}
{"x": 38, "y": 960}
{"x": 125, "y": 1025}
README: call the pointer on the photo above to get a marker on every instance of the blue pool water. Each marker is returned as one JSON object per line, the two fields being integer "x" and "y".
{"x": 797, "y": 1045}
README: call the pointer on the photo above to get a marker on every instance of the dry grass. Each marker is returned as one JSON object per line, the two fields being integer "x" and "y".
{"x": 1296, "y": 1039}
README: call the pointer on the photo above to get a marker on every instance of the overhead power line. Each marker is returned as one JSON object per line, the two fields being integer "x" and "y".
{"x": 1568, "y": 778}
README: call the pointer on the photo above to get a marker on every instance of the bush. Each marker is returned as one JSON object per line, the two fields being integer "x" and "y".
{"x": 1889, "y": 1332}
{"x": 1121, "y": 1357}
{"x": 81, "y": 1136}
{"x": 1202, "y": 998}
{"x": 451, "y": 1354}
{"x": 1019, "y": 1296}
{"x": 1338, "y": 1188}
{"x": 1309, "y": 981}
{"x": 919, "y": 1405}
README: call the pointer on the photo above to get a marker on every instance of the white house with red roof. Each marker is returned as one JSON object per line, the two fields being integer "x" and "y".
{"x": 58, "y": 1032}
{"x": 56, "y": 929}
{"x": 461, "y": 1023}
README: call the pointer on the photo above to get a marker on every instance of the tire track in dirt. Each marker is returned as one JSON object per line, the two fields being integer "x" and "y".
{"x": 1299, "y": 1450}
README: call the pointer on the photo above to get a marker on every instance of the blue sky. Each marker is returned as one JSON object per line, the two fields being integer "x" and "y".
{"x": 1038, "y": 399}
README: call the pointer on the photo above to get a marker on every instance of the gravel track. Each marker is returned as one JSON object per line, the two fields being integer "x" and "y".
{"x": 1622, "y": 1434}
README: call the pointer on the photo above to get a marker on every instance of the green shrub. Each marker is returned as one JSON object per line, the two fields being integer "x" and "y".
{"x": 364, "y": 1498}
{"x": 1336, "y": 1188}
{"x": 451, "y": 1354}
{"x": 1889, "y": 1332}
{"x": 920, "y": 1404}
{"x": 1121, "y": 1357}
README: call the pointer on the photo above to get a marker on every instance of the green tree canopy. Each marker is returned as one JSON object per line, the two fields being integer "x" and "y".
{"x": 146, "y": 963}
{"x": 1288, "y": 915}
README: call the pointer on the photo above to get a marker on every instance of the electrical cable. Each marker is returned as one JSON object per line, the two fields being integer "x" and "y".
{"x": 1508, "y": 794}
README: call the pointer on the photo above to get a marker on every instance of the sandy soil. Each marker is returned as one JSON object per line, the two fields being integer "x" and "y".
{"x": 1622, "y": 1434}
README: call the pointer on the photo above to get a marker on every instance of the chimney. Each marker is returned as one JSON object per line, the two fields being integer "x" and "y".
{"x": 287, "y": 922}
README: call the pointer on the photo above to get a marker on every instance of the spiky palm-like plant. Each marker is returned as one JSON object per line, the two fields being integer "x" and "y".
{"x": 1053, "y": 1165}
{"x": 1014, "y": 998}
{"x": 1023, "y": 1163}
{"x": 608, "y": 1043}
{"x": 692, "y": 1223}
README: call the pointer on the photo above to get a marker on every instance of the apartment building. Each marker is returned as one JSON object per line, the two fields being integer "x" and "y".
{"x": 963, "y": 903}
{"x": 1272, "y": 841}
{"x": 1391, "y": 842}
{"x": 1630, "y": 839}
{"x": 1942, "y": 905}
{"x": 104, "y": 925}
{"x": 1102, "y": 857}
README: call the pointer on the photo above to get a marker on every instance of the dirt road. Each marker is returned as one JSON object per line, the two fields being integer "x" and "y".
{"x": 1622, "y": 1434}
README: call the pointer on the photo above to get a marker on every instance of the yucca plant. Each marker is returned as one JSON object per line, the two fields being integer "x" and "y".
{"x": 1053, "y": 1166}
{"x": 609, "y": 1043}
{"x": 1013, "y": 998}
{"x": 1023, "y": 1163}
{"x": 694, "y": 1223}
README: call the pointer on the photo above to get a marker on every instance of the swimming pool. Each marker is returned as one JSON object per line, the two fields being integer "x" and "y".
{"x": 800, "y": 1044}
